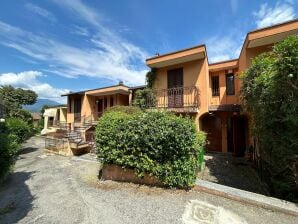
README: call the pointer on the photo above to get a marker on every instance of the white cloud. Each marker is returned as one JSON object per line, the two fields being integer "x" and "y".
{"x": 281, "y": 12}
{"x": 40, "y": 11}
{"x": 29, "y": 80}
{"x": 108, "y": 55}
{"x": 221, "y": 48}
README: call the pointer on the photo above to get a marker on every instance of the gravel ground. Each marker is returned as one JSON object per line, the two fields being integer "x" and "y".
{"x": 47, "y": 188}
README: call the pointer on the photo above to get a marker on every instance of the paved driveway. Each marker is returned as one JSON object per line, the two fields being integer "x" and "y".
{"x": 54, "y": 189}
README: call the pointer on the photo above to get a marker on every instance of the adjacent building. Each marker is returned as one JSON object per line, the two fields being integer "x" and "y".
{"x": 54, "y": 119}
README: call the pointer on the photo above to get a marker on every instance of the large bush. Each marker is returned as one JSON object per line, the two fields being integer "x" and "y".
{"x": 158, "y": 143}
{"x": 19, "y": 128}
{"x": 270, "y": 95}
{"x": 8, "y": 150}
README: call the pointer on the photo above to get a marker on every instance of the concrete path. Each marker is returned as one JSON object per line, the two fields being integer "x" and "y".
{"x": 48, "y": 188}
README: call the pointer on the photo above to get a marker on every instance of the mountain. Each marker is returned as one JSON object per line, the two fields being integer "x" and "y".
{"x": 39, "y": 103}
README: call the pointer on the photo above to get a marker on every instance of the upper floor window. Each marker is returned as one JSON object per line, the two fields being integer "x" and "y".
{"x": 215, "y": 85}
{"x": 230, "y": 83}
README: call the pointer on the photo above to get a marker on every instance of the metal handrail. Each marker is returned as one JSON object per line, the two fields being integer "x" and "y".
{"x": 178, "y": 97}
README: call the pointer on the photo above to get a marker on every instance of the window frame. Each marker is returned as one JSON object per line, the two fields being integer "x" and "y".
{"x": 230, "y": 92}
{"x": 215, "y": 79}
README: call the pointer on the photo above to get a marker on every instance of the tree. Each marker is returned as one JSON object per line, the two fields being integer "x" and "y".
{"x": 270, "y": 95}
{"x": 14, "y": 98}
{"x": 43, "y": 108}
{"x": 144, "y": 98}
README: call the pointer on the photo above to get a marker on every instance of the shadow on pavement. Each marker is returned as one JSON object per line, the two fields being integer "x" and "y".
{"x": 27, "y": 150}
{"x": 15, "y": 197}
{"x": 233, "y": 172}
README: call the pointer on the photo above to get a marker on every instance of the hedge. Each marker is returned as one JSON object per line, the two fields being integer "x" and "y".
{"x": 158, "y": 143}
{"x": 270, "y": 95}
{"x": 8, "y": 150}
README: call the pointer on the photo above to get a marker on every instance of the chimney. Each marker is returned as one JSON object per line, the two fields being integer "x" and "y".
{"x": 121, "y": 83}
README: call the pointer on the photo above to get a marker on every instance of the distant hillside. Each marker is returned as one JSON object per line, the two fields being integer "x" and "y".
{"x": 39, "y": 103}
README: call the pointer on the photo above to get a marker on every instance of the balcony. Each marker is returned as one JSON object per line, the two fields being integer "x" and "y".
{"x": 178, "y": 99}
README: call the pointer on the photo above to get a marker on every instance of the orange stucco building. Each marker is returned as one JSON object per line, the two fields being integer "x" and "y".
{"x": 186, "y": 83}
{"x": 89, "y": 105}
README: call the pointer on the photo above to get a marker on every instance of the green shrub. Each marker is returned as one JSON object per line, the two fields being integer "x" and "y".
{"x": 19, "y": 128}
{"x": 270, "y": 95}
{"x": 125, "y": 109}
{"x": 158, "y": 143}
{"x": 8, "y": 150}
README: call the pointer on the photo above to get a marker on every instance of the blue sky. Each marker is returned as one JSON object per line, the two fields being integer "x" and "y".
{"x": 57, "y": 46}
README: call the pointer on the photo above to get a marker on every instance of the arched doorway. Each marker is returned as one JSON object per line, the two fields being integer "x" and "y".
{"x": 211, "y": 124}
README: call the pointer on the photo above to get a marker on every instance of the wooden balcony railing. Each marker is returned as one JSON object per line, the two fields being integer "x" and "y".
{"x": 179, "y": 98}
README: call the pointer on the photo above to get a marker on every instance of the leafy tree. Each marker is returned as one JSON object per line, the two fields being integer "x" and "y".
{"x": 43, "y": 108}
{"x": 150, "y": 78}
{"x": 14, "y": 98}
{"x": 144, "y": 98}
{"x": 270, "y": 95}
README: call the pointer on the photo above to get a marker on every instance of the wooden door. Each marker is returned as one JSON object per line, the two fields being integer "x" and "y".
{"x": 212, "y": 126}
{"x": 237, "y": 135}
{"x": 175, "y": 87}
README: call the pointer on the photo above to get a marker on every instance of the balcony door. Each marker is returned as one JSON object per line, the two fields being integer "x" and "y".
{"x": 77, "y": 110}
{"x": 175, "y": 88}
{"x": 99, "y": 107}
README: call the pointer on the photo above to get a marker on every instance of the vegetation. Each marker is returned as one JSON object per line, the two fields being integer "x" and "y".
{"x": 270, "y": 95}
{"x": 144, "y": 98}
{"x": 8, "y": 150}
{"x": 18, "y": 125}
{"x": 13, "y": 99}
{"x": 150, "y": 78}
{"x": 158, "y": 143}
{"x": 20, "y": 128}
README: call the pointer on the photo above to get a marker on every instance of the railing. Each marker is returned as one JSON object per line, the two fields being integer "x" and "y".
{"x": 92, "y": 118}
{"x": 55, "y": 144}
{"x": 174, "y": 98}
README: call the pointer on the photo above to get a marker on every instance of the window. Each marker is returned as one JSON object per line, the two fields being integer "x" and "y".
{"x": 230, "y": 84}
{"x": 215, "y": 85}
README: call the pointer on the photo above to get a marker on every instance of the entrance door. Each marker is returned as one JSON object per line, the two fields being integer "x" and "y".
{"x": 237, "y": 135}
{"x": 175, "y": 87}
{"x": 212, "y": 126}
